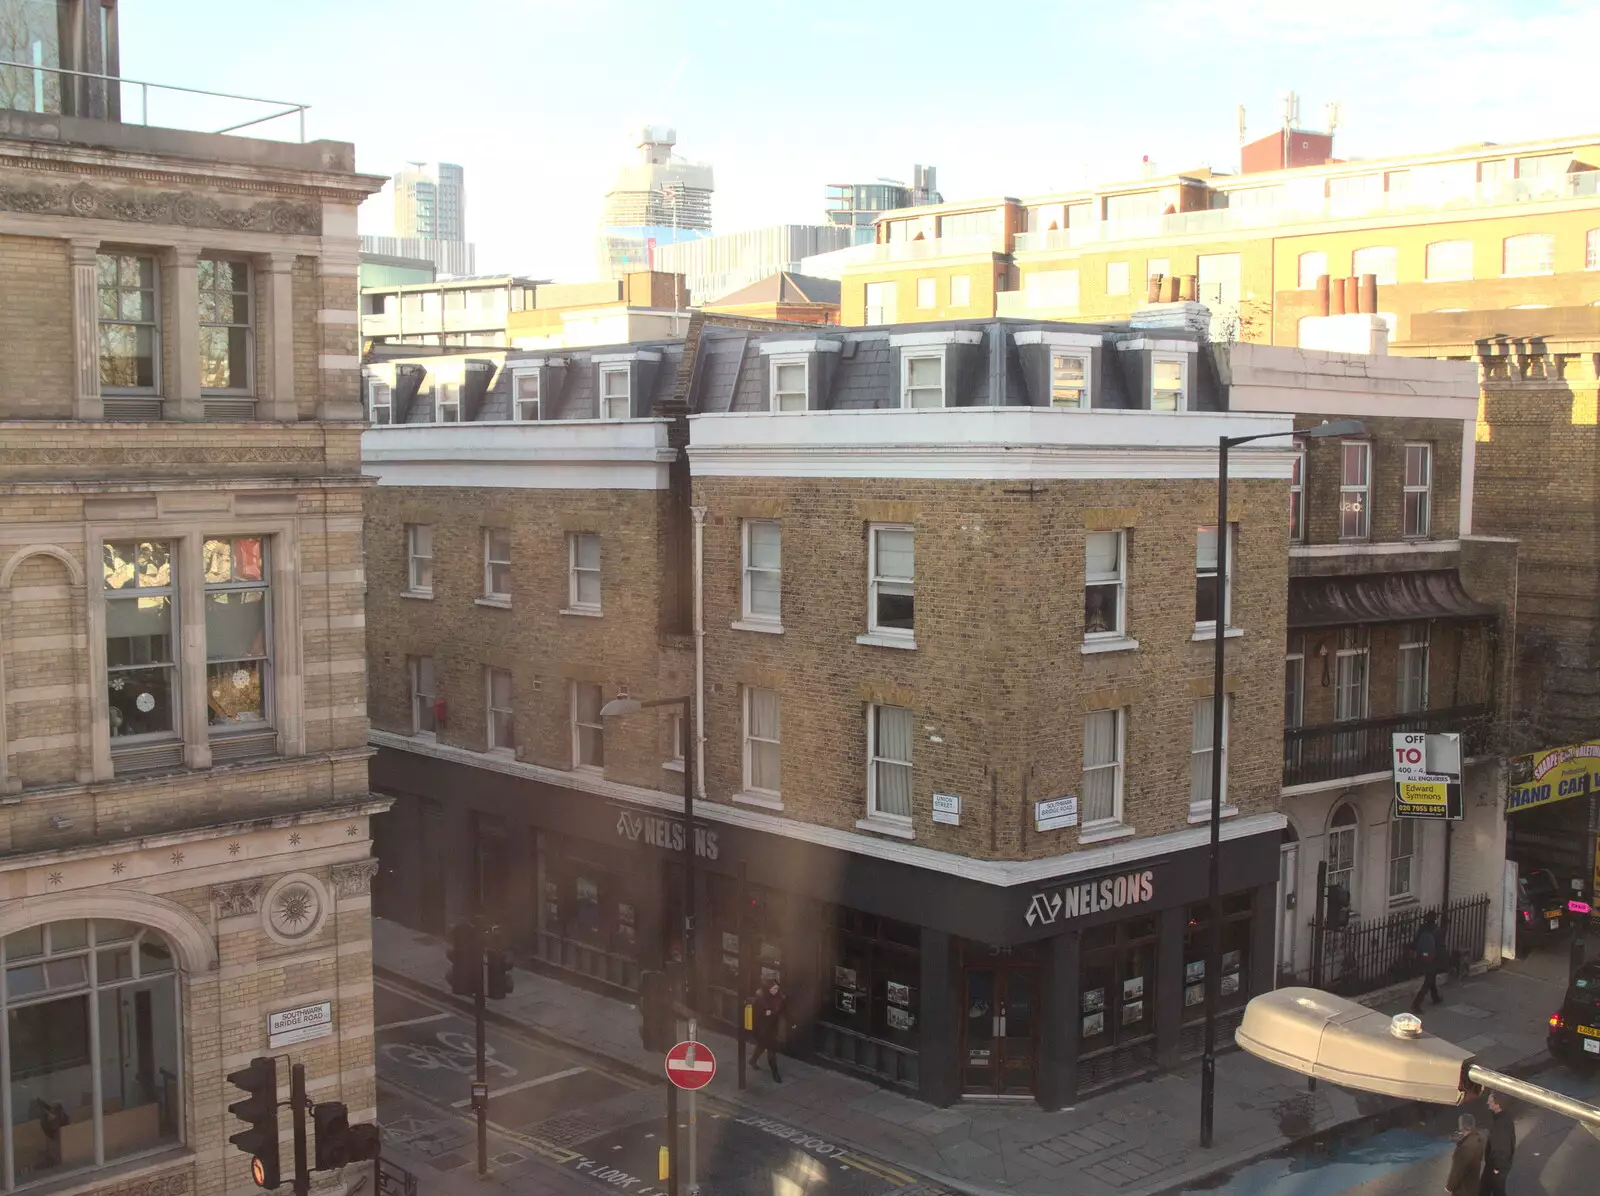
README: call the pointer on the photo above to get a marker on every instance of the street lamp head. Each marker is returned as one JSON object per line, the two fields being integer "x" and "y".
{"x": 1326, "y": 1036}
{"x": 620, "y": 705}
{"x": 1335, "y": 427}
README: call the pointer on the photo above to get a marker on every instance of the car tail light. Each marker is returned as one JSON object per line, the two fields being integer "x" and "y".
{"x": 1527, "y": 915}
{"x": 1557, "y": 1022}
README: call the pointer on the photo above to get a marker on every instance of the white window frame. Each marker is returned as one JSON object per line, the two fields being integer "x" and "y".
{"x": 907, "y": 356}
{"x": 1114, "y": 286}
{"x": 155, "y": 323}
{"x": 780, "y": 397}
{"x": 1415, "y": 639}
{"x": 1591, "y": 249}
{"x": 1157, "y": 265}
{"x": 248, "y": 323}
{"x": 1117, "y": 579}
{"x": 1424, "y": 489}
{"x": 1317, "y": 259}
{"x": 1403, "y": 853}
{"x": 422, "y": 701}
{"x": 674, "y": 760}
{"x": 490, "y": 561}
{"x": 447, "y": 402}
{"x": 896, "y": 636}
{"x": 1181, "y": 360}
{"x": 264, "y": 659}
{"x": 1352, "y": 675}
{"x": 1116, "y": 767}
{"x": 1545, "y": 259}
{"x": 963, "y": 296}
{"x": 1086, "y": 395}
{"x": 1294, "y": 681}
{"x": 927, "y": 293}
{"x": 1447, "y": 272}
{"x": 380, "y": 398}
{"x": 604, "y": 402}
{"x": 1389, "y": 275}
{"x": 874, "y": 814}
{"x": 750, "y": 740}
{"x": 574, "y": 572}
{"x": 1206, "y": 628}
{"x": 419, "y": 560}
{"x": 172, "y": 591}
{"x": 747, "y": 613}
{"x": 1337, "y": 833}
{"x": 880, "y": 312}
{"x": 520, "y": 402}
{"x": 578, "y": 726}
{"x": 509, "y": 711}
{"x": 1200, "y": 807}
{"x": 1297, "y": 495}
{"x": 1362, "y": 488}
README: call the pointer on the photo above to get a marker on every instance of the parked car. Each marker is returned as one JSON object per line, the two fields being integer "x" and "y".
{"x": 1541, "y": 908}
{"x": 1575, "y": 1027}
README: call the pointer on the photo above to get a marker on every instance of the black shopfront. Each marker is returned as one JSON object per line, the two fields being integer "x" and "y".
{"x": 943, "y": 986}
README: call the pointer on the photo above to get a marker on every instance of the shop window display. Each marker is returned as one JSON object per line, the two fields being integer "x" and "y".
{"x": 1234, "y": 989}
{"x": 1116, "y": 993}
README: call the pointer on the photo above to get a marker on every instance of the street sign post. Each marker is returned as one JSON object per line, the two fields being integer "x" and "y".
{"x": 691, "y": 1065}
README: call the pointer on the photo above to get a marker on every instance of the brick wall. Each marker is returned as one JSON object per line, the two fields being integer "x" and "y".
{"x": 35, "y": 328}
{"x": 997, "y": 684}
{"x": 1388, "y": 438}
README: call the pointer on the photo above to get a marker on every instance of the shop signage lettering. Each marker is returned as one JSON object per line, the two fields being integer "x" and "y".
{"x": 1090, "y": 897}
{"x": 1554, "y": 775}
{"x": 664, "y": 833}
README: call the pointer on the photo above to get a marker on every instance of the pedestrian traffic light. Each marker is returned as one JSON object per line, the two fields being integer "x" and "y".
{"x": 331, "y": 1123}
{"x": 499, "y": 972}
{"x": 466, "y": 960}
{"x": 259, "y": 1111}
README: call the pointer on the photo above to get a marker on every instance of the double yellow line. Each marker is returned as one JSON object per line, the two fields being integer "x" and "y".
{"x": 882, "y": 1170}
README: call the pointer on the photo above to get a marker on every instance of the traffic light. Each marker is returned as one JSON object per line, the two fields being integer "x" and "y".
{"x": 331, "y": 1122}
{"x": 259, "y": 1112}
{"x": 499, "y": 973}
{"x": 466, "y": 960}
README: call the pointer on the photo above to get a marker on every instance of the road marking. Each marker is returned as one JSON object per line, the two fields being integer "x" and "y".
{"x": 881, "y": 1170}
{"x": 533, "y": 1083}
{"x": 413, "y": 1021}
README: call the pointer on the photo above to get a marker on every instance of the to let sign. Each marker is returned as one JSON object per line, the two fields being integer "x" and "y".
{"x": 299, "y": 1025}
{"x": 1427, "y": 775}
{"x": 691, "y": 1065}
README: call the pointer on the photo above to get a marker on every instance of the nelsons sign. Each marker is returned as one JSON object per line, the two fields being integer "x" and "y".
{"x": 637, "y": 826}
{"x": 1090, "y": 897}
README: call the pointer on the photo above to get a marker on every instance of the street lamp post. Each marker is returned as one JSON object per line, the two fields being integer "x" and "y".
{"x": 1208, "y": 1063}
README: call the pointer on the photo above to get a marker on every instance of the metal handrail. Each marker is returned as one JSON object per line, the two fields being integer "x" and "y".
{"x": 144, "y": 86}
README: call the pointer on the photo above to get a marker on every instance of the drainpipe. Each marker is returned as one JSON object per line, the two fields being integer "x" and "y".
{"x": 699, "y": 514}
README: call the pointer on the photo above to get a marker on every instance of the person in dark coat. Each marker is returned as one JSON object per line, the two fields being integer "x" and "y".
{"x": 1426, "y": 947}
{"x": 1501, "y": 1147}
{"x": 770, "y": 1009}
{"x": 1466, "y": 1164}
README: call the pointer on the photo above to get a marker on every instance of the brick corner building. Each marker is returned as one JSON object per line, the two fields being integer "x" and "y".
{"x": 183, "y": 761}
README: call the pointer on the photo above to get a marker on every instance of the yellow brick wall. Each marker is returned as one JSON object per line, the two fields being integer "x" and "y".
{"x": 35, "y": 328}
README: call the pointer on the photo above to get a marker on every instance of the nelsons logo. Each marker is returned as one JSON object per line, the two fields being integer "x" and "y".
{"x": 664, "y": 833}
{"x": 1091, "y": 897}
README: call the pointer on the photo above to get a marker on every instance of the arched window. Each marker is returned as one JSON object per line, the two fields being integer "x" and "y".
{"x": 91, "y": 1040}
{"x": 1342, "y": 850}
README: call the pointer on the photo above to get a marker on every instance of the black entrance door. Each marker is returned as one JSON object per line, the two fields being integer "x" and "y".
{"x": 999, "y": 1048}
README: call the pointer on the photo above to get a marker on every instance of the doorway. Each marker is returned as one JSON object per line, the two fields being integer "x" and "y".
{"x": 1288, "y": 899}
{"x": 999, "y": 1048}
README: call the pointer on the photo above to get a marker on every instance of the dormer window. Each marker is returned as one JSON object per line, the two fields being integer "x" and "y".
{"x": 788, "y": 383}
{"x": 615, "y": 397}
{"x": 1169, "y": 378}
{"x": 922, "y": 378}
{"x": 525, "y": 394}
{"x": 380, "y": 400}
{"x": 1069, "y": 381}
{"x": 447, "y": 402}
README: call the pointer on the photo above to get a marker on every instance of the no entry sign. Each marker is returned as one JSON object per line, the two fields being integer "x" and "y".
{"x": 691, "y": 1065}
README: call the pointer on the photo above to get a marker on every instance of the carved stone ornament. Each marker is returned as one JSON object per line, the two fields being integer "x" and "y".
{"x": 141, "y": 206}
{"x": 295, "y": 908}
{"x": 354, "y": 880}
{"x": 174, "y": 1183}
{"x": 237, "y": 899}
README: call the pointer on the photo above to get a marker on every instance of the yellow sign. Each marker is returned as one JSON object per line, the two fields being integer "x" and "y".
{"x": 1555, "y": 775}
{"x": 1422, "y": 799}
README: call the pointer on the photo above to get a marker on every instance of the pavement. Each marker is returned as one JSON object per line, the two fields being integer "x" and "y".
{"x": 1136, "y": 1140}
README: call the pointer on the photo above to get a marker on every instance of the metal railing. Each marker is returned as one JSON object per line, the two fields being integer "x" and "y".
{"x": 1351, "y": 749}
{"x": 43, "y": 105}
{"x": 1375, "y": 952}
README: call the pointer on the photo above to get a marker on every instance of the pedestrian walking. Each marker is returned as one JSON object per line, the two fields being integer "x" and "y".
{"x": 1501, "y": 1147}
{"x": 771, "y": 1007}
{"x": 1466, "y": 1164}
{"x": 1426, "y": 948}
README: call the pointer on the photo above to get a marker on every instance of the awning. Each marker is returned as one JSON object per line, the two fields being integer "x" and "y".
{"x": 1382, "y": 598}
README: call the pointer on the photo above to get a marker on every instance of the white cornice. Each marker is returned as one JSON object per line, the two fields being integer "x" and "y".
{"x": 1391, "y": 548}
{"x": 1001, "y": 873}
{"x": 945, "y": 336}
{"x": 1163, "y": 346}
{"x": 1059, "y": 340}
{"x": 583, "y": 454}
{"x": 768, "y": 348}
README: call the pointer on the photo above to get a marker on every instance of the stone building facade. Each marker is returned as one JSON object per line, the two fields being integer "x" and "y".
{"x": 184, "y": 811}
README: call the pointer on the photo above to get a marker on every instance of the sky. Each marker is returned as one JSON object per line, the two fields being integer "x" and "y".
{"x": 541, "y": 100}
